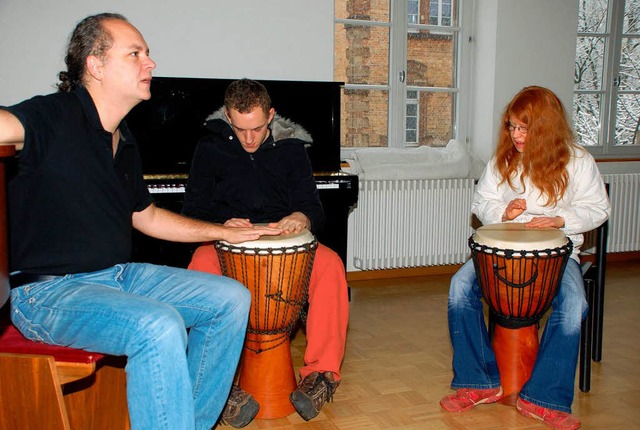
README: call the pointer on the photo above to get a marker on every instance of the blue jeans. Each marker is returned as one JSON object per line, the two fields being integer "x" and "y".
{"x": 474, "y": 364}
{"x": 176, "y": 379}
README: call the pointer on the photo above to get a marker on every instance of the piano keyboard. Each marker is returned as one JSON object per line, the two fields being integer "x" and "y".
{"x": 166, "y": 188}
{"x": 177, "y": 185}
{"x": 180, "y": 188}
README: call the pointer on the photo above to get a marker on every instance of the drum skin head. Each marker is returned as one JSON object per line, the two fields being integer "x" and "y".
{"x": 279, "y": 241}
{"x": 518, "y": 237}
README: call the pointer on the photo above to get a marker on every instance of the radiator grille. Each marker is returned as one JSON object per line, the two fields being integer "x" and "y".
{"x": 412, "y": 223}
{"x": 624, "y": 225}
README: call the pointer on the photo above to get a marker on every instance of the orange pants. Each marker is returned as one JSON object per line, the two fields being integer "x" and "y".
{"x": 328, "y": 313}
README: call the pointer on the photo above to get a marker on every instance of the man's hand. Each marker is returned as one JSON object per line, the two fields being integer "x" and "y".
{"x": 241, "y": 234}
{"x": 293, "y": 223}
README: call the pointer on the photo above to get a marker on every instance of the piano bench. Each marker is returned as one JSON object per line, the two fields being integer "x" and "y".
{"x": 51, "y": 387}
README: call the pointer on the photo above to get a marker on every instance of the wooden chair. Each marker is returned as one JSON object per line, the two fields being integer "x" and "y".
{"x": 44, "y": 387}
{"x": 50, "y": 387}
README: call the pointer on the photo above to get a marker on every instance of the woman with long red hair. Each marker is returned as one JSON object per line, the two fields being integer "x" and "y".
{"x": 539, "y": 177}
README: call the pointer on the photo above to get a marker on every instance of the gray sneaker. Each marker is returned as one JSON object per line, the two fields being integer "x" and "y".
{"x": 312, "y": 393}
{"x": 240, "y": 409}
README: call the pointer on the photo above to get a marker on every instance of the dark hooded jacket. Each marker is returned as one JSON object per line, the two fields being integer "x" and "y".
{"x": 227, "y": 182}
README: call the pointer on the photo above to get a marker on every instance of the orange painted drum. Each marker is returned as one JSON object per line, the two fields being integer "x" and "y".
{"x": 519, "y": 270}
{"x": 276, "y": 270}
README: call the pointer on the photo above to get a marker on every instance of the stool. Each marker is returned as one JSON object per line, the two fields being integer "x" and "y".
{"x": 51, "y": 387}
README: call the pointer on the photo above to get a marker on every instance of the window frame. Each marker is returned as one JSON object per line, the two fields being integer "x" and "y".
{"x": 396, "y": 87}
{"x": 417, "y": 15}
{"x": 412, "y": 101}
{"x": 439, "y": 16}
{"x": 609, "y": 90}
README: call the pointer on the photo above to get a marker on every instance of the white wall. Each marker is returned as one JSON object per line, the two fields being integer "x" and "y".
{"x": 516, "y": 43}
{"x": 520, "y": 43}
{"x": 484, "y": 76}
{"x": 274, "y": 39}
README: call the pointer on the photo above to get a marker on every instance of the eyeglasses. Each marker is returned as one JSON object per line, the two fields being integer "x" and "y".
{"x": 522, "y": 129}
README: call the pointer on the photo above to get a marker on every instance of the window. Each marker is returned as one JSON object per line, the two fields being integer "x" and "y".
{"x": 413, "y": 11}
{"x": 401, "y": 62}
{"x": 411, "y": 127}
{"x": 440, "y": 12}
{"x": 606, "y": 102}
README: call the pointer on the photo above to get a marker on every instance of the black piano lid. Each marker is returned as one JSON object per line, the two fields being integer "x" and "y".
{"x": 168, "y": 126}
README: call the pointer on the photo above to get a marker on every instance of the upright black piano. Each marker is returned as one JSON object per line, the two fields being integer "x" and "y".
{"x": 169, "y": 125}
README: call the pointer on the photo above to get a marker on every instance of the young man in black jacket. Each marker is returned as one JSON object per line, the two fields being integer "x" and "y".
{"x": 253, "y": 168}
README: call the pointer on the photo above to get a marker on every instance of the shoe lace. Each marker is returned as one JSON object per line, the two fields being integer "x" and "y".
{"x": 324, "y": 385}
{"x": 236, "y": 396}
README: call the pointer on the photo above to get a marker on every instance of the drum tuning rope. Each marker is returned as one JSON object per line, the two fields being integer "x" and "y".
{"x": 278, "y": 279}
{"x": 519, "y": 285}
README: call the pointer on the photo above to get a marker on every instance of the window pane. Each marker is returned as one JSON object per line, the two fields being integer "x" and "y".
{"x": 631, "y": 23}
{"x": 630, "y": 64}
{"x": 436, "y": 120}
{"x": 434, "y": 12}
{"x": 446, "y": 13}
{"x": 411, "y": 137}
{"x": 592, "y": 16}
{"x": 627, "y": 117}
{"x": 412, "y": 7}
{"x": 412, "y": 109}
{"x": 361, "y": 54}
{"x": 431, "y": 59}
{"x": 364, "y": 118}
{"x": 586, "y": 114}
{"x": 374, "y": 10}
{"x": 589, "y": 63}
{"x": 440, "y": 12}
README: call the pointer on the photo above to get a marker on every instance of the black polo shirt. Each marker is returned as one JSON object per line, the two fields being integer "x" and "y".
{"x": 71, "y": 201}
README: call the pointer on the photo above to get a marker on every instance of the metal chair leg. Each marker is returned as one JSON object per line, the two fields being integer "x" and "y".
{"x": 586, "y": 335}
{"x": 598, "y": 315}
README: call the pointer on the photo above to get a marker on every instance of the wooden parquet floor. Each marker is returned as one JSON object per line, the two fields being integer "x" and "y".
{"x": 398, "y": 363}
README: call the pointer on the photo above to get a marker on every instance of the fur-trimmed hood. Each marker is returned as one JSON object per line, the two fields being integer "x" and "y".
{"x": 281, "y": 128}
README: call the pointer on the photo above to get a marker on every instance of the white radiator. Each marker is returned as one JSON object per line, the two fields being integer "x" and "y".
{"x": 624, "y": 225}
{"x": 411, "y": 223}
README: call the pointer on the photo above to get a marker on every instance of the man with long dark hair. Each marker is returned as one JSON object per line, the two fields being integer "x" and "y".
{"x": 77, "y": 194}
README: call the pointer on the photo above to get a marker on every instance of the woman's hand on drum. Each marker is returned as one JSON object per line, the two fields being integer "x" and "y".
{"x": 545, "y": 221}
{"x": 514, "y": 209}
{"x": 293, "y": 223}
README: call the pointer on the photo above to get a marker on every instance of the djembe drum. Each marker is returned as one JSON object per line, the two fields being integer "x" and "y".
{"x": 519, "y": 270}
{"x": 276, "y": 270}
